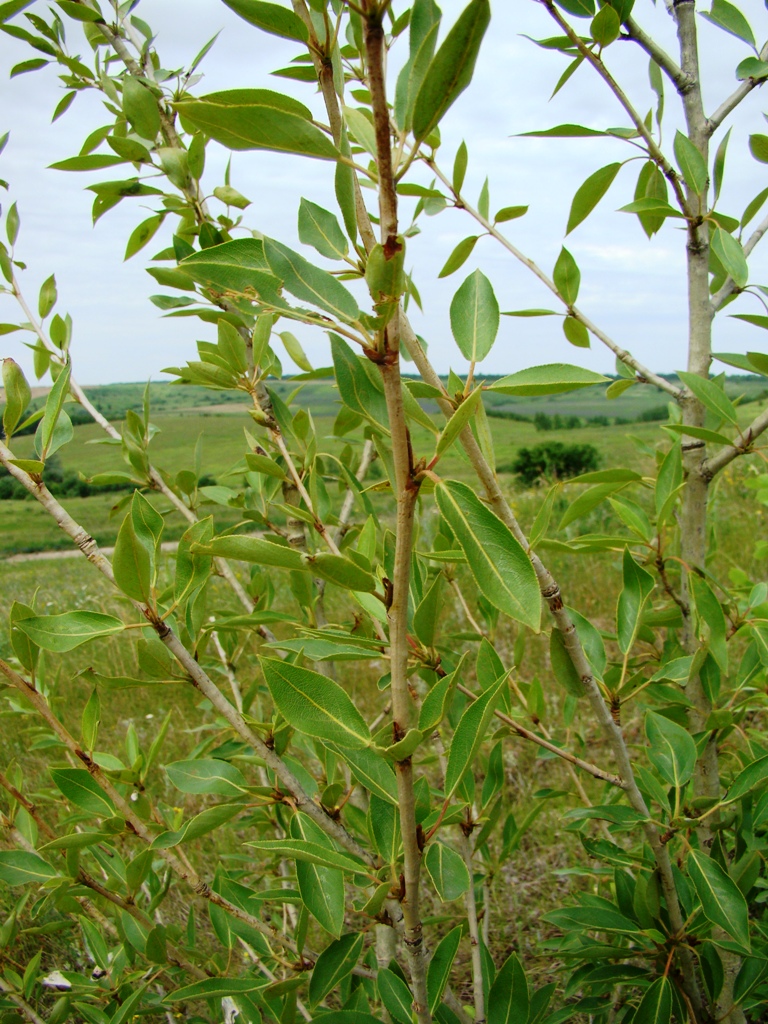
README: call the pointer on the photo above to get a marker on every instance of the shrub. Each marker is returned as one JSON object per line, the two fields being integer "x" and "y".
{"x": 553, "y": 460}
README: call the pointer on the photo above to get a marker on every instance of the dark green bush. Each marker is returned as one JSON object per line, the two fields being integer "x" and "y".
{"x": 553, "y": 461}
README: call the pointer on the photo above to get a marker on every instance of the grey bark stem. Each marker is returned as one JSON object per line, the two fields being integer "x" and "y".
{"x": 22, "y": 1004}
{"x": 465, "y": 845}
{"x": 657, "y": 53}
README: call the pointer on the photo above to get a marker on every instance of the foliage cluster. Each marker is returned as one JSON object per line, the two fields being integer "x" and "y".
{"x": 330, "y": 845}
{"x": 554, "y": 460}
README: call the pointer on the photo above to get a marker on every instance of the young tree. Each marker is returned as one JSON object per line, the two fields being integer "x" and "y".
{"x": 378, "y": 805}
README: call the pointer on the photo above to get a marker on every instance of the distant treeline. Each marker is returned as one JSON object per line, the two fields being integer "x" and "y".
{"x": 62, "y": 483}
{"x": 543, "y": 421}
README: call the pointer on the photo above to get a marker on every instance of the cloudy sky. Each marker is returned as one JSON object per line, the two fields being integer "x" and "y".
{"x": 632, "y": 288}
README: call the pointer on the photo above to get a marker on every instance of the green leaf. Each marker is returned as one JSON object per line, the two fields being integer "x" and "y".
{"x": 357, "y": 388}
{"x": 730, "y": 253}
{"x": 321, "y": 887}
{"x": 718, "y": 167}
{"x": 460, "y": 418}
{"x": 206, "y": 775}
{"x": 142, "y": 234}
{"x": 371, "y": 771}
{"x": 731, "y": 20}
{"x": 551, "y": 379}
{"x": 131, "y": 563}
{"x": 207, "y": 821}
{"x": 566, "y": 277}
{"x": 257, "y": 119}
{"x": 691, "y": 163}
{"x": 314, "y": 704}
{"x": 45, "y": 439}
{"x": 428, "y": 611}
{"x": 320, "y": 229}
{"x": 508, "y": 1000}
{"x": 748, "y": 779}
{"x": 270, "y": 18}
{"x": 508, "y": 213}
{"x": 20, "y": 868}
{"x": 447, "y": 870}
{"x": 579, "y": 8}
{"x": 470, "y": 733}
{"x": 395, "y": 995}
{"x": 656, "y": 1005}
{"x": 638, "y": 587}
{"x": 562, "y": 666}
{"x": 61, "y": 633}
{"x": 140, "y": 107}
{"x": 459, "y": 256}
{"x": 460, "y": 168}
{"x": 605, "y": 27}
{"x": 710, "y": 395}
{"x": 26, "y": 651}
{"x": 751, "y": 67}
{"x": 576, "y": 333}
{"x": 253, "y": 549}
{"x": 310, "y": 283}
{"x": 91, "y": 162}
{"x": 215, "y": 988}
{"x": 440, "y": 966}
{"x": 450, "y": 70}
{"x": 594, "y": 188}
{"x": 721, "y": 900}
{"x": 435, "y": 705}
{"x": 333, "y": 965}
{"x": 310, "y": 853}
{"x": 672, "y": 750}
{"x": 80, "y": 789}
{"x": 758, "y": 147}
{"x": 361, "y": 129}
{"x": 47, "y": 298}
{"x": 91, "y": 719}
{"x": 17, "y": 395}
{"x": 341, "y": 571}
{"x": 501, "y": 567}
{"x": 475, "y": 317}
{"x": 238, "y": 266}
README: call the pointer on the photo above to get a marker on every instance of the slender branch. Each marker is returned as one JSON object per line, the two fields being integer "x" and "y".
{"x": 731, "y": 102}
{"x": 407, "y": 493}
{"x": 711, "y": 466}
{"x": 657, "y": 53}
{"x": 22, "y": 1004}
{"x": 465, "y": 845}
{"x": 654, "y": 152}
{"x": 133, "y": 822}
{"x": 622, "y": 354}
{"x": 566, "y": 755}
{"x": 194, "y": 670}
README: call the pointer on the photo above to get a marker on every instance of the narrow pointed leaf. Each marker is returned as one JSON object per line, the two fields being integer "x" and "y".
{"x": 470, "y": 733}
{"x": 501, "y": 567}
{"x": 509, "y": 1000}
{"x": 450, "y": 70}
{"x": 314, "y": 704}
{"x": 721, "y": 900}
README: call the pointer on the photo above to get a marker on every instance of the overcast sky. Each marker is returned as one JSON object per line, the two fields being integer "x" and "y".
{"x": 632, "y": 288}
